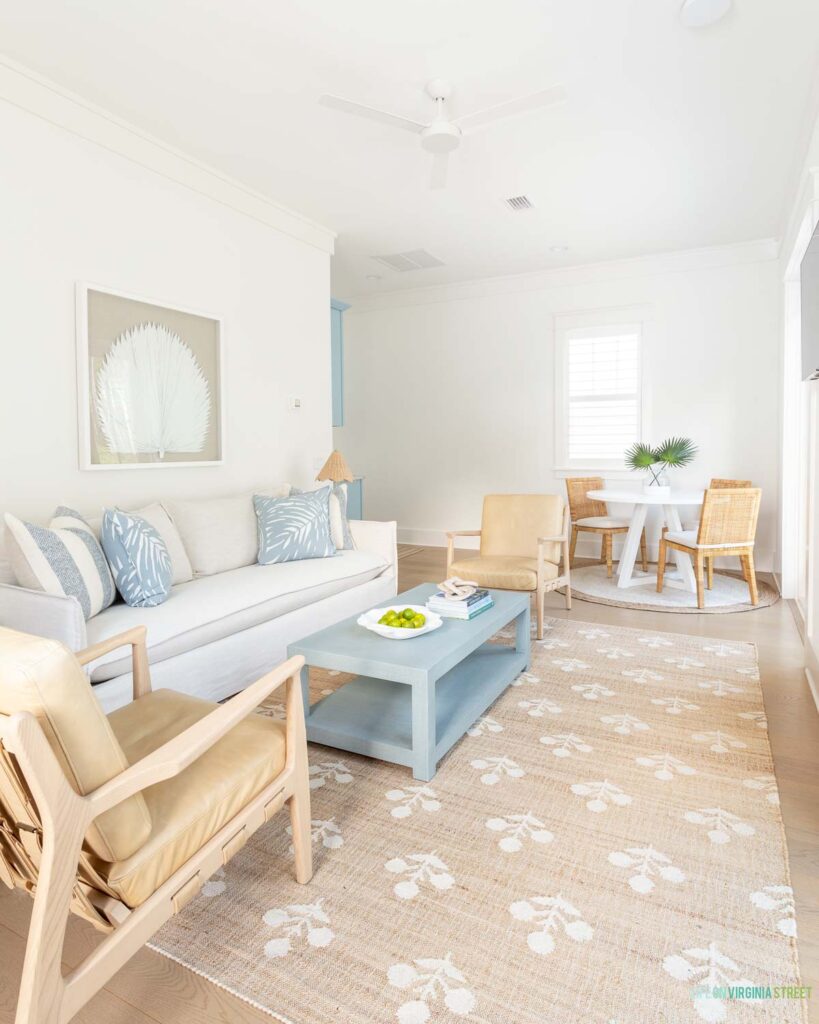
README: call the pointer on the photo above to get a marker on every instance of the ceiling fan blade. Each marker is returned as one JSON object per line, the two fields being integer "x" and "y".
{"x": 509, "y": 108}
{"x": 351, "y": 107}
{"x": 440, "y": 170}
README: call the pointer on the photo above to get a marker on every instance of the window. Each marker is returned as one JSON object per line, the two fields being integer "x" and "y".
{"x": 599, "y": 393}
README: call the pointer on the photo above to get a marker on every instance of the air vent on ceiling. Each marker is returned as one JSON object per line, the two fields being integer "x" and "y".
{"x": 519, "y": 203}
{"x": 417, "y": 259}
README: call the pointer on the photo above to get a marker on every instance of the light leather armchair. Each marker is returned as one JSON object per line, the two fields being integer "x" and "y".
{"x": 524, "y": 539}
{"x": 122, "y": 819}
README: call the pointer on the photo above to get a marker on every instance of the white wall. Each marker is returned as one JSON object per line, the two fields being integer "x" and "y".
{"x": 450, "y": 392}
{"x": 71, "y": 209}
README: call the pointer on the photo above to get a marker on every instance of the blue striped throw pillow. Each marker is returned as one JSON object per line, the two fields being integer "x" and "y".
{"x": 138, "y": 558}
{"x": 294, "y": 528}
{"x": 64, "y": 559}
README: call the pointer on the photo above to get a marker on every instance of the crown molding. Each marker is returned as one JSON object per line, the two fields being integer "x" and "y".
{"x": 24, "y": 88}
{"x": 759, "y": 251}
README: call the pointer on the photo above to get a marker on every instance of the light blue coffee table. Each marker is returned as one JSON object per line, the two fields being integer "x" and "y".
{"x": 413, "y": 699}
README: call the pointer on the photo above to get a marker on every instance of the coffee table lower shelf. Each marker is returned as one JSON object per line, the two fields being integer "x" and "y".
{"x": 374, "y": 717}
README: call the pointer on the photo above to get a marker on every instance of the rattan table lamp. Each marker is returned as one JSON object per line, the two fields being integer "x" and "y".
{"x": 336, "y": 469}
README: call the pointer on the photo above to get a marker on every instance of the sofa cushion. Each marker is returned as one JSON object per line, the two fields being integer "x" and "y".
{"x": 219, "y": 534}
{"x": 191, "y": 807}
{"x": 158, "y": 517}
{"x": 64, "y": 559}
{"x": 295, "y": 528}
{"x": 139, "y": 558}
{"x": 339, "y": 523}
{"x": 213, "y": 607}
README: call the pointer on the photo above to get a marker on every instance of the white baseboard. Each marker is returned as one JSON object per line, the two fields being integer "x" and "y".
{"x": 812, "y": 672}
{"x": 431, "y": 538}
{"x": 814, "y": 687}
{"x": 587, "y": 547}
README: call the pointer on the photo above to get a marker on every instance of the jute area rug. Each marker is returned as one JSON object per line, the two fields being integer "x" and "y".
{"x": 604, "y": 846}
{"x": 729, "y": 593}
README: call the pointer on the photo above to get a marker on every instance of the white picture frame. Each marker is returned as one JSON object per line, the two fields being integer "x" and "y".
{"x": 91, "y": 341}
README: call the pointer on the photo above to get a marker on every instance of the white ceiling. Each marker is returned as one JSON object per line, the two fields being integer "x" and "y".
{"x": 669, "y": 138}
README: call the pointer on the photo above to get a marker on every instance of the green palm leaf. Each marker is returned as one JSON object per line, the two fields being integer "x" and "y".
{"x": 641, "y": 456}
{"x": 676, "y": 451}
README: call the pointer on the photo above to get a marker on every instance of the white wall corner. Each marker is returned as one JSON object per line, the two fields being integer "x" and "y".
{"x": 24, "y": 88}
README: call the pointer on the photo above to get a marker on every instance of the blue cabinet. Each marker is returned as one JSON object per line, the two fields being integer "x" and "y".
{"x": 337, "y": 358}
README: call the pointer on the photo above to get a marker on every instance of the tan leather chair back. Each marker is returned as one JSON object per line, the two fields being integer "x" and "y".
{"x": 512, "y": 523}
{"x": 42, "y": 677}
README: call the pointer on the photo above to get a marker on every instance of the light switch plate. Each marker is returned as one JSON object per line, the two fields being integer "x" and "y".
{"x": 295, "y": 404}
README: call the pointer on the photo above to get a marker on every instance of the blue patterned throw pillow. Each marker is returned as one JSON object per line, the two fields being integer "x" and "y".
{"x": 63, "y": 559}
{"x": 138, "y": 558}
{"x": 339, "y": 524}
{"x": 294, "y": 528}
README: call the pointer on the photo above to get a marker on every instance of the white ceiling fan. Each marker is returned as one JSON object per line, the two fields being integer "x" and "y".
{"x": 443, "y": 134}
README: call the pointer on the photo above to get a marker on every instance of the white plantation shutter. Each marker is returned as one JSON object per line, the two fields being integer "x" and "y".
{"x": 602, "y": 398}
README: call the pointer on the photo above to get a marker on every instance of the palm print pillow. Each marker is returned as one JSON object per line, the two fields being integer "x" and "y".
{"x": 294, "y": 528}
{"x": 138, "y": 558}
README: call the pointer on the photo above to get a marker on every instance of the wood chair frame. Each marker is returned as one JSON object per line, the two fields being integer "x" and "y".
{"x": 543, "y": 586}
{"x": 583, "y": 507}
{"x": 719, "y": 483}
{"x": 43, "y": 822}
{"x": 750, "y": 496}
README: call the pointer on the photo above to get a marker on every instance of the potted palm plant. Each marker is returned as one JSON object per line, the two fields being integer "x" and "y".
{"x": 656, "y": 462}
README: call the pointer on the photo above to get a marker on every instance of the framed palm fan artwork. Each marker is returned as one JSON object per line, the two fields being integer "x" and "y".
{"x": 150, "y": 383}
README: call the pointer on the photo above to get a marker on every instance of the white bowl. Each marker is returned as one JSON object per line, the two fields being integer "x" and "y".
{"x": 369, "y": 620}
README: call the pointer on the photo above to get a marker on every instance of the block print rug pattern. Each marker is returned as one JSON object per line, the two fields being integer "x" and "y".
{"x": 605, "y": 845}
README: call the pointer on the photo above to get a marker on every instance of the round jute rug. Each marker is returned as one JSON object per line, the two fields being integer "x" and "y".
{"x": 729, "y": 594}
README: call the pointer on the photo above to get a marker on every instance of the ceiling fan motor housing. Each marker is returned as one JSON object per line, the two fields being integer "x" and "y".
{"x": 441, "y": 137}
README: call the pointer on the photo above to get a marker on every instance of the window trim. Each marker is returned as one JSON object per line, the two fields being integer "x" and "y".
{"x": 599, "y": 318}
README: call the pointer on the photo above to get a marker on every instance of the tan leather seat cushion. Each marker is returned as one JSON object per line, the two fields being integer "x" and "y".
{"x": 512, "y": 523}
{"x": 502, "y": 573}
{"x": 42, "y": 677}
{"x": 190, "y": 808}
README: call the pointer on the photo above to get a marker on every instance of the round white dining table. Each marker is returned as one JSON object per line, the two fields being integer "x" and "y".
{"x": 641, "y": 501}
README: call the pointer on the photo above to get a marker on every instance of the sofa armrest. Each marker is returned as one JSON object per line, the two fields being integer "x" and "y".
{"x": 380, "y": 538}
{"x": 34, "y": 611}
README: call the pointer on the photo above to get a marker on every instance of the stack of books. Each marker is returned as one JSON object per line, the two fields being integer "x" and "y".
{"x": 467, "y": 608}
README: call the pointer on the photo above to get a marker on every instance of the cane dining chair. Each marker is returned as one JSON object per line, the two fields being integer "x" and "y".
{"x": 727, "y": 527}
{"x": 592, "y": 516}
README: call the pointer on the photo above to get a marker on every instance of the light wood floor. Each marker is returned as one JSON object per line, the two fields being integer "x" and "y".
{"x": 153, "y": 988}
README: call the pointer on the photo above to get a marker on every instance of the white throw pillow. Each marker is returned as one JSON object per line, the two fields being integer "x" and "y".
{"x": 158, "y": 517}
{"x": 219, "y": 534}
{"x": 64, "y": 559}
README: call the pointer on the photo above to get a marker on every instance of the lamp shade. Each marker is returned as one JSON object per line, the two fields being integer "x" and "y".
{"x": 335, "y": 469}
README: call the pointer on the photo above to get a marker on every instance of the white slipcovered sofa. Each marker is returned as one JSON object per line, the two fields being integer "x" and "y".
{"x": 218, "y": 632}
